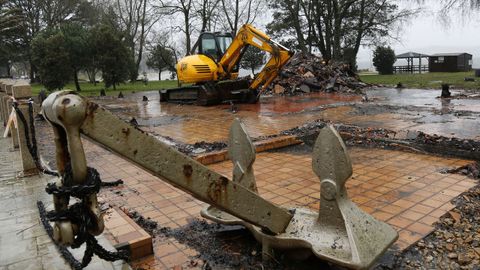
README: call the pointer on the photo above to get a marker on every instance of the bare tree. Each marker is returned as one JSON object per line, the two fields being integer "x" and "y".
{"x": 186, "y": 9}
{"x": 206, "y": 11}
{"x": 136, "y": 18}
{"x": 238, "y": 12}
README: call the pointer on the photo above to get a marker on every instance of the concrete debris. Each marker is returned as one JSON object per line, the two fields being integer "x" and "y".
{"x": 307, "y": 73}
{"x": 472, "y": 170}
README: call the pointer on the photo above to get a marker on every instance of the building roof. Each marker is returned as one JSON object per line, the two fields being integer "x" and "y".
{"x": 449, "y": 54}
{"x": 411, "y": 55}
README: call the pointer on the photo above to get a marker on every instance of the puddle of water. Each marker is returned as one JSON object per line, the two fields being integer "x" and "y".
{"x": 276, "y": 104}
{"x": 423, "y": 98}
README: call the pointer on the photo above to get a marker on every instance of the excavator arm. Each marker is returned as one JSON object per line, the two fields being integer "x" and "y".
{"x": 250, "y": 36}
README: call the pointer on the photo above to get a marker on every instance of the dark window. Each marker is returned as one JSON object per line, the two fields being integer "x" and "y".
{"x": 224, "y": 42}
{"x": 208, "y": 46}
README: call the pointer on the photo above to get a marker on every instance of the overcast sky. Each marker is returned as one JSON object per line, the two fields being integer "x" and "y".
{"x": 427, "y": 34}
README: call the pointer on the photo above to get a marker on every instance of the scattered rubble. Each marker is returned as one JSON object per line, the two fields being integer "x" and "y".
{"x": 307, "y": 73}
{"x": 455, "y": 243}
{"x": 200, "y": 147}
{"x": 472, "y": 170}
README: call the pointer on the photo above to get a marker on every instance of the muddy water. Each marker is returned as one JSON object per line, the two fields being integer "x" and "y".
{"x": 423, "y": 98}
{"x": 395, "y": 109}
{"x": 291, "y": 104}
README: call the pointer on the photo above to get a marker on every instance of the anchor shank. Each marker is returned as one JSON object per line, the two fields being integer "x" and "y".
{"x": 182, "y": 171}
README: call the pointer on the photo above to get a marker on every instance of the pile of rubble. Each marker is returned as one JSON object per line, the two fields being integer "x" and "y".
{"x": 307, "y": 73}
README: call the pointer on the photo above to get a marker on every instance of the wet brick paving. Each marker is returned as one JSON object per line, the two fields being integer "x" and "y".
{"x": 406, "y": 190}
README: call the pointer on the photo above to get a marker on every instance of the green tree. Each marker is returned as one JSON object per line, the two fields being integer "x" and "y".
{"x": 161, "y": 58}
{"x": 10, "y": 27}
{"x": 252, "y": 59}
{"x": 331, "y": 26}
{"x": 383, "y": 60}
{"x": 112, "y": 55}
{"x": 78, "y": 47}
{"x": 51, "y": 58}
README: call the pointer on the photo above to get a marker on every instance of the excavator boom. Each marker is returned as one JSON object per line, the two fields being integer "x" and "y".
{"x": 250, "y": 36}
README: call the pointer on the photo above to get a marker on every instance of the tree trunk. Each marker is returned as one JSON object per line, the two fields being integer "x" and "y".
{"x": 294, "y": 10}
{"x": 236, "y": 18}
{"x": 142, "y": 38}
{"x": 75, "y": 79}
{"x": 32, "y": 72}
{"x": 9, "y": 75}
{"x": 160, "y": 75}
{"x": 253, "y": 70}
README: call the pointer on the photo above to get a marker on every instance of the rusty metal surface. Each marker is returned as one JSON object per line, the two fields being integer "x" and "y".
{"x": 181, "y": 171}
{"x": 340, "y": 232}
{"x": 242, "y": 153}
{"x": 66, "y": 111}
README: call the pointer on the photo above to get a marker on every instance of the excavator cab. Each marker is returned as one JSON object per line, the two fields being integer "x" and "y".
{"x": 213, "y": 45}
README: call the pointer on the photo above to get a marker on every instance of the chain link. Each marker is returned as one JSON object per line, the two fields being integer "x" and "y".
{"x": 81, "y": 215}
{"x": 78, "y": 213}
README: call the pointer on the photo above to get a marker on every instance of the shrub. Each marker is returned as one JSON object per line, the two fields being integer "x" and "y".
{"x": 383, "y": 60}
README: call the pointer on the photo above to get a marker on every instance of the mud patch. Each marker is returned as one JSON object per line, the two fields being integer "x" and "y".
{"x": 223, "y": 247}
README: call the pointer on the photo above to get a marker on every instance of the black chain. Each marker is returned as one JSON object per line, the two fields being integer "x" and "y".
{"x": 31, "y": 142}
{"x": 92, "y": 245}
{"x": 78, "y": 213}
{"x": 81, "y": 215}
{"x": 62, "y": 249}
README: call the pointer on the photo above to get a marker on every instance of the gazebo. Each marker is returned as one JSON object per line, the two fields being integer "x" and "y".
{"x": 411, "y": 67}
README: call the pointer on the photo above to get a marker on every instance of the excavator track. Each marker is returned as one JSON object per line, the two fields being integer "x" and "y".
{"x": 211, "y": 93}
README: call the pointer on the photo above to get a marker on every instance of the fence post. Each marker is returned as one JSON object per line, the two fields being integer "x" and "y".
{"x": 8, "y": 109}
{"x": 2, "y": 94}
{"x": 21, "y": 93}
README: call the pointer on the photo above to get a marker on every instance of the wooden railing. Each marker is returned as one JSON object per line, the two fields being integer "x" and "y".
{"x": 410, "y": 69}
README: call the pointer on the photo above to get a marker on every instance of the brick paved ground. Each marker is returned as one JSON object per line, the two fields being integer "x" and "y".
{"x": 24, "y": 243}
{"x": 191, "y": 124}
{"x": 404, "y": 189}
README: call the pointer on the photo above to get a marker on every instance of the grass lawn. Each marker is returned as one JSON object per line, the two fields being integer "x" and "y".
{"x": 425, "y": 80}
{"x": 88, "y": 89}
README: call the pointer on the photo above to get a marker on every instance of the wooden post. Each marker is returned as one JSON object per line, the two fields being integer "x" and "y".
{"x": 420, "y": 65}
{"x": 21, "y": 93}
{"x": 28, "y": 164}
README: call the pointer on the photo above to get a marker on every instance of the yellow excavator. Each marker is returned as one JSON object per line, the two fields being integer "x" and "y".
{"x": 212, "y": 68}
